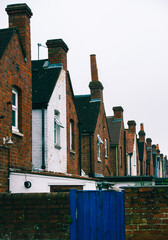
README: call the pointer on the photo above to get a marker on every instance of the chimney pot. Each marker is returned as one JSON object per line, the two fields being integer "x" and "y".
{"x": 95, "y": 85}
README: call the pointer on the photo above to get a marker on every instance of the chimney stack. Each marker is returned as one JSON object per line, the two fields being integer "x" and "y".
{"x": 95, "y": 85}
{"x": 118, "y": 112}
{"x": 157, "y": 149}
{"x": 19, "y": 17}
{"x": 149, "y": 142}
{"x": 141, "y": 133}
{"x": 131, "y": 126}
{"x": 57, "y": 52}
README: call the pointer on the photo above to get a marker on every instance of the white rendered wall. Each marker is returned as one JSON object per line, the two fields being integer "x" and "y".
{"x": 41, "y": 183}
{"x": 57, "y": 158}
{"x": 134, "y": 160}
{"x": 37, "y": 137}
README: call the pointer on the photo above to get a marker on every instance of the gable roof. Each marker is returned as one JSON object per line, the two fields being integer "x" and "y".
{"x": 114, "y": 126}
{"x": 88, "y": 111}
{"x": 5, "y": 37}
{"x": 44, "y": 79}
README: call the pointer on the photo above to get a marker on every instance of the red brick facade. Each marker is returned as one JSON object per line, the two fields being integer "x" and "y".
{"x": 15, "y": 71}
{"x": 146, "y": 210}
{"x": 117, "y": 149}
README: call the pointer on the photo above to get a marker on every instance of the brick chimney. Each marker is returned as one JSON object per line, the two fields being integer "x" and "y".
{"x": 154, "y": 148}
{"x": 57, "y": 52}
{"x": 141, "y": 133}
{"x": 95, "y": 85}
{"x": 131, "y": 126}
{"x": 118, "y": 112}
{"x": 149, "y": 142}
{"x": 157, "y": 149}
{"x": 19, "y": 17}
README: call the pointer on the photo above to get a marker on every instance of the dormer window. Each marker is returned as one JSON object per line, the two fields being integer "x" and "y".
{"x": 15, "y": 110}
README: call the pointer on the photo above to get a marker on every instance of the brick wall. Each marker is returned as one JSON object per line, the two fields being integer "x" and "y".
{"x": 72, "y": 156}
{"x": 14, "y": 71}
{"x": 34, "y": 216}
{"x": 146, "y": 213}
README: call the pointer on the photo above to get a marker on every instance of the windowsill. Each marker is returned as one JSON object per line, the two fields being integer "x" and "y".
{"x": 106, "y": 157}
{"x": 72, "y": 151}
{"x": 16, "y": 132}
{"x": 99, "y": 160}
{"x": 57, "y": 146}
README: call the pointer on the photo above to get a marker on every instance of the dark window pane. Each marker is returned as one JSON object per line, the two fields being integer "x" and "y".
{"x": 14, "y": 118}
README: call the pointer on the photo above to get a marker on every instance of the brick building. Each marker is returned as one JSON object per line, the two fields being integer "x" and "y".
{"x": 16, "y": 93}
{"x": 49, "y": 148}
{"x": 95, "y": 158}
{"x": 132, "y": 155}
{"x": 117, "y": 142}
{"x": 142, "y": 150}
{"x": 149, "y": 161}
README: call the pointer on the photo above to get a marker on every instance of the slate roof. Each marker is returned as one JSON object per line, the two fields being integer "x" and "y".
{"x": 87, "y": 111}
{"x": 141, "y": 150}
{"x": 114, "y": 126}
{"x": 5, "y": 37}
{"x": 43, "y": 82}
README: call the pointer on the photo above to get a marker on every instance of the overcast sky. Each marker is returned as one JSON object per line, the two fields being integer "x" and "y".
{"x": 130, "y": 40}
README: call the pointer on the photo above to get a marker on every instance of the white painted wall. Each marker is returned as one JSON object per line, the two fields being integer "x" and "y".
{"x": 134, "y": 159}
{"x": 41, "y": 183}
{"x": 57, "y": 158}
{"x": 37, "y": 138}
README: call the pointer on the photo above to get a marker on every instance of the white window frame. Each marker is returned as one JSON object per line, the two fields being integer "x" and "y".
{"x": 106, "y": 147}
{"x": 134, "y": 157}
{"x": 57, "y": 130}
{"x": 15, "y": 109}
{"x": 99, "y": 141}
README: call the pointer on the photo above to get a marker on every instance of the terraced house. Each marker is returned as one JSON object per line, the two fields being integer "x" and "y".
{"x": 52, "y": 140}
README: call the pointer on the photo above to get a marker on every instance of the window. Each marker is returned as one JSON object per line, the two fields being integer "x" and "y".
{"x": 106, "y": 147}
{"x": 134, "y": 156}
{"x": 57, "y": 126}
{"x": 99, "y": 141}
{"x": 71, "y": 132}
{"x": 120, "y": 157}
{"x": 14, "y": 109}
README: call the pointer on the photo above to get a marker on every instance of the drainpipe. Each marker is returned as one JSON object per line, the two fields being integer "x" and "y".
{"x": 125, "y": 153}
{"x": 130, "y": 164}
{"x": 91, "y": 160}
{"x": 43, "y": 141}
{"x": 116, "y": 161}
{"x": 80, "y": 160}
